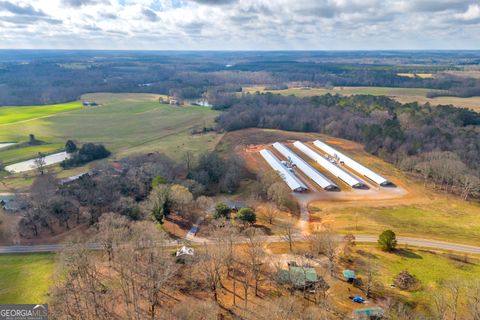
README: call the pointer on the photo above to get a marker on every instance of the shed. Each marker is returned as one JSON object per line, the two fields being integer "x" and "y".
{"x": 184, "y": 254}
{"x": 300, "y": 277}
{"x": 185, "y": 251}
{"x": 373, "y": 313}
{"x": 72, "y": 178}
{"x": 9, "y": 203}
{"x": 349, "y": 275}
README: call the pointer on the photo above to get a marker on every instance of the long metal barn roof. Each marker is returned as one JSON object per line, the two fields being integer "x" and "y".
{"x": 290, "y": 179}
{"x": 332, "y": 168}
{"x": 353, "y": 164}
{"x": 308, "y": 170}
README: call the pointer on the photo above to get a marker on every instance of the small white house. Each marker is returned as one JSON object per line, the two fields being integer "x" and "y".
{"x": 185, "y": 251}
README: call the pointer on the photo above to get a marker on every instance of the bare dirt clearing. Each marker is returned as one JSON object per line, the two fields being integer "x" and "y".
{"x": 409, "y": 209}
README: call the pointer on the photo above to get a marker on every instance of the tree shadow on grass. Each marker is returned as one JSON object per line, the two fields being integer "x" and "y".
{"x": 405, "y": 253}
{"x": 265, "y": 229}
{"x": 366, "y": 254}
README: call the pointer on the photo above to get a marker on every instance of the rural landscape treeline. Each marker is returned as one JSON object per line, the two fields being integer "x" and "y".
{"x": 56, "y": 77}
{"x": 440, "y": 143}
{"x": 178, "y": 185}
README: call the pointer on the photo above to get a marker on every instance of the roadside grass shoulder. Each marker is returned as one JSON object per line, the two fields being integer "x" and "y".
{"x": 444, "y": 219}
{"x": 15, "y": 155}
{"x": 25, "y": 278}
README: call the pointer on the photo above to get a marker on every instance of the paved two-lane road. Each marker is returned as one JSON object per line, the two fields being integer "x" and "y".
{"x": 424, "y": 243}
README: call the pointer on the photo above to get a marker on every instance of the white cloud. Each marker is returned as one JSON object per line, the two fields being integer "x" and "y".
{"x": 240, "y": 24}
{"x": 472, "y": 13}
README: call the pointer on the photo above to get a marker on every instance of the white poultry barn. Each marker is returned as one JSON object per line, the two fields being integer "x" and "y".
{"x": 290, "y": 179}
{"x": 331, "y": 167}
{"x": 307, "y": 169}
{"x": 378, "y": 179}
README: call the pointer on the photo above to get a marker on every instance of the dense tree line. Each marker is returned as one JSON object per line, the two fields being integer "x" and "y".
{"x": 405, "y": 134}
{"x": 45, "y": 78}
{"x": 137, "y": 187}
{"x": 87, "y": 153}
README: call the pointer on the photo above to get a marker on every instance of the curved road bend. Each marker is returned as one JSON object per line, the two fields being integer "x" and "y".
{"x": 424, "y": 243}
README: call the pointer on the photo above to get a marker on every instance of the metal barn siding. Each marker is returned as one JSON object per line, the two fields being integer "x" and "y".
{"x": 308, "y": 170}
{"x": 332, "y": 168}
{"x": 290, "y": 179}
{"x": 353, "y": 164}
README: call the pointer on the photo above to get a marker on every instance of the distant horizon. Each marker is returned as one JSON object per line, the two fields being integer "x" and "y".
{"x": 241, "y": 50}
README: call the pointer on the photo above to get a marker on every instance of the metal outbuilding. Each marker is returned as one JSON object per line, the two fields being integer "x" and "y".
{"x": 353, "y": 164}
{"x": 307, "y": 169}
{"x": 290, "y": 179}
{"x": 331, "y": 167}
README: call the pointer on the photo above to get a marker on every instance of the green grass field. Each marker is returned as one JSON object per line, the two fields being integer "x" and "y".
{"x": 125, "y": 123}
{"x": 448, "y": 220}
{"x": 25, "y": 278}
{"x": 306, "y": 92}
{"x": 403, "y": 95}
{"x": 16, "y": 114}
{"x": 431, "y": 269}
{"x": 13, "y": 155}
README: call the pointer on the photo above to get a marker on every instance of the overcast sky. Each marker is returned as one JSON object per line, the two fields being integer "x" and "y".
{"x": 240, "y": 24}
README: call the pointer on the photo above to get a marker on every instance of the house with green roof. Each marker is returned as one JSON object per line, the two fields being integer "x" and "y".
{"x": 299, "y": 277}
{"x": 373, "y": 313}
{"x": 349, "y": 275}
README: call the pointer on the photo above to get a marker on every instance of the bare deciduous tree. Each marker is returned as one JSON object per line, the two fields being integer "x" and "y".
{"x": 193, "y": 309}
{"x": 454, "y": 290}
{"x": 188, "y": 158}
{"x": 271, "y": 212}
{"x": 325, "y": 243}
{"x": 291, "y": 308}
{"x": 255, "y": 254}
{"x": 470, "y": 184}
{"x": 40, "y": 163}
{"x": 473, "y": 300}
{"x": 287, "y": 234}
{"x": 112, "y": 229}
{"x": 369, "y": 269}
{"x": 181, "y": 198}
{"x": 78, "y": 292}
{"x": 211, "y": 265}
{"x": 348, "y": 244}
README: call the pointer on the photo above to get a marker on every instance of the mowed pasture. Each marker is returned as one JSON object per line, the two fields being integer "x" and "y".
{"x": 125, "y": 123}
{"x": 416, "y": 75}
{"x": 16, "y": 114}
{"x": 403, "y": 95}
{"x": 25, "y": 278}
{"x": 432, "y": 270}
